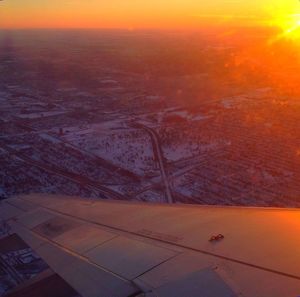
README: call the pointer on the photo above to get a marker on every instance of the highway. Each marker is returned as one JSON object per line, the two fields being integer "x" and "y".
{"x": 79, "y": 179}
{"x": 160, "y": 158}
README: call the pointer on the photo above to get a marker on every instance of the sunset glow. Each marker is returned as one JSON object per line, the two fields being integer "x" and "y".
{"x": 147, "y": 14}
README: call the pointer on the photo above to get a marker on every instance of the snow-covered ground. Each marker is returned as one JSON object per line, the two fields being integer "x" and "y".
{"x": 37, "y": 115}
{"x": 155, "y": 119}
{"x": 151, "y": 196}
{"x": 185, "y": 150}
{"x": 127, "y": 148}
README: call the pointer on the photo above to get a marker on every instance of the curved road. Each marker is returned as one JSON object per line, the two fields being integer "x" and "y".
{"x": 159, "y": 155}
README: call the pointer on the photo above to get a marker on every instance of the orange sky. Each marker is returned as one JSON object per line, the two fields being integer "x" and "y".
{"x": 143, "y": 13}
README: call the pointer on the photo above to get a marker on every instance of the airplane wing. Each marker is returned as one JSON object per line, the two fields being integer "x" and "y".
{"x": 116, "y": 249}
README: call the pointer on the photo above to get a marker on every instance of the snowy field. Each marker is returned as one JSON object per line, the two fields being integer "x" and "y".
{"x": 128, "y": 148}
{"x": 184, "y": 150}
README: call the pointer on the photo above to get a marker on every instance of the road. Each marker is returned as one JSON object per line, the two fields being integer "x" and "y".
{"x": 82, "y": 180}
{"x": 186, "y": 166}
{"x": 160, "y": 158}
{"x": 102, "y": 162}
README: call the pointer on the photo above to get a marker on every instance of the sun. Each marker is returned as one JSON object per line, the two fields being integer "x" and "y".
{"x": 290, "y": 27}
{"x": 293, "y": 32}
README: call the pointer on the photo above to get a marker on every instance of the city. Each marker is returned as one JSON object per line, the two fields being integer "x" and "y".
{"x": 150, "y": 134}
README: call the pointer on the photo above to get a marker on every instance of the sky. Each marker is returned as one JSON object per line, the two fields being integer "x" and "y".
{"x": 131, "y": 14}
